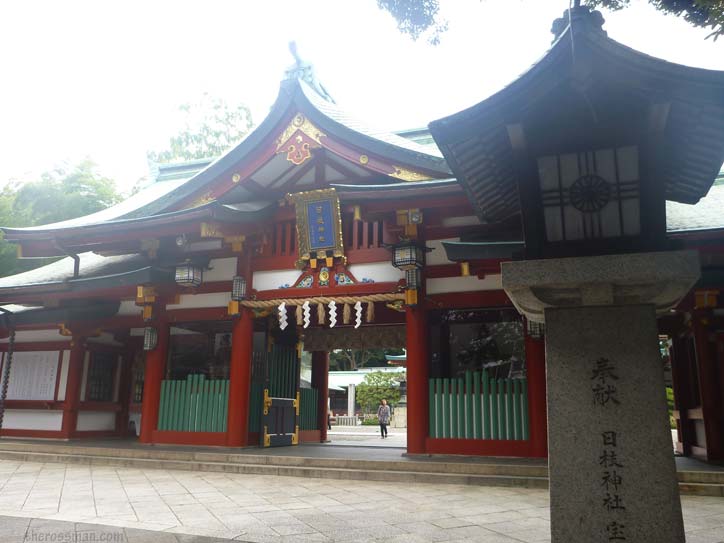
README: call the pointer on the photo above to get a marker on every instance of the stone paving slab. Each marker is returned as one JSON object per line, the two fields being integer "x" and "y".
{"x": 186, "y": 506}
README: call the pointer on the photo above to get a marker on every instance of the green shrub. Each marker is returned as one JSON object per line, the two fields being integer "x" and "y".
{"x": 670, "y": 405}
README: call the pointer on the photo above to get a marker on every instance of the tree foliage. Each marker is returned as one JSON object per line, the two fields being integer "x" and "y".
{"x": 60, "y": 194}
{"x": 211, "y": 127}
{"x": 352, "y": 359}
{"x": 418, "y": 17}
{"x": 379, "y": 385}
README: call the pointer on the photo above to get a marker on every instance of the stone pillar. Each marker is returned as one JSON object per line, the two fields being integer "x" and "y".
{"x": 73, "y": 387}
{"x": 152, "y": 377}
{"x": 612, "y": 471}
{"x": 351, "y": 400}
{"x": 242, "y": 340}
{"x": 418, "y": 395}
{"x": 320, "y": 381}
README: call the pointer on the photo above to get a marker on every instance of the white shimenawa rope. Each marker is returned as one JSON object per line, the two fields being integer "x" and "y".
{"x": 358, "y": 314}
{"x": 307, "y": 314}
{"x": 332, "y": 314}
{"x": 282, "y": 316}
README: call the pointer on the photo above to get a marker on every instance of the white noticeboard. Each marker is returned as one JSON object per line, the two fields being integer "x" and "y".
{"x": 33, "y": 375}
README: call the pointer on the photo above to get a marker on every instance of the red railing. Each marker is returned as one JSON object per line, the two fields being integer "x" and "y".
{"x": 363, "y": 242}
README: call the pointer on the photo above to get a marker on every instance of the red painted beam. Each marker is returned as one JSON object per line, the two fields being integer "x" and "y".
{"x": 38, "y": 346}
{"x": 479, "y": 447}
{"x": 311, "y": 436}
{"x": 360, "y": 289}
{"x": 49, "y": 405}
{"x": 464, "y": 300}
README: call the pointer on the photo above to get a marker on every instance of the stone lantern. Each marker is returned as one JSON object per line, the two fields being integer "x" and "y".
{"x": 585, "y": 148}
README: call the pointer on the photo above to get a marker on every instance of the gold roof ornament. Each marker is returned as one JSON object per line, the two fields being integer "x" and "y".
{"x": 409, "y": 175}
{"x": 298, "y": 139}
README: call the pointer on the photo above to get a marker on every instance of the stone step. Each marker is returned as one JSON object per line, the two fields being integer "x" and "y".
{"x": 493, "y": 473}
{"x": 701, "y": 489}
{"x": 500, "y": 468}
{"x": 283, "y": 470}
{"x": 704, "y": 477}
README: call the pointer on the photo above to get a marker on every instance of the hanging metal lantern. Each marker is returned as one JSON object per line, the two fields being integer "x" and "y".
{"x": 407, "y": 255}
{"x": 238, "y": 288}
{"x": 189, "y": 275}
{"x": 150, "y": 338}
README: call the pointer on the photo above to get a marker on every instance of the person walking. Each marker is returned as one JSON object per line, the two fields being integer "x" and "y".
{"x": 383, "y": 416}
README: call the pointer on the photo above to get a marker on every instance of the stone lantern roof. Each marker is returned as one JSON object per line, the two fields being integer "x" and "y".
{"x": 678, "y": 110}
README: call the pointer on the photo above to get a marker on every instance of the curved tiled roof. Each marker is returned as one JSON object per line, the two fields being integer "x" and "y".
{"x": 180, "y": 182}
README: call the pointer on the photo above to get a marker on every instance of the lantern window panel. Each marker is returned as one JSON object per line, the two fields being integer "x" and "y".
{"x": 238, "y": 288}
{"x": 590, "y": 195}
{"x": 188, "y": 275}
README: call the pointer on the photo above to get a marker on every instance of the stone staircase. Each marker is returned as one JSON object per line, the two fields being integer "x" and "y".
{"x": 439, "y": 470}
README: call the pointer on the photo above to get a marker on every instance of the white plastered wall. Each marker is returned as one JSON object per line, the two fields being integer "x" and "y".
{"x": 93, "y": 421}
{"x": 220, "y": 269}
{"x": 38, "y": 336}
{"x": 272, "y": 280}
{"x": 129, "y": 308}
{"x": 379, "y": 272}
{"x": 32, "y": 419}
{"x": 469, "y": 283}
{"x": 437, "y": 256}
{"x": 197, "y": 301}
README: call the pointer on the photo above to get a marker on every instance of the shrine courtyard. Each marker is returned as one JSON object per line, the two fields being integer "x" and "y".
{"x": 69, "y": 502}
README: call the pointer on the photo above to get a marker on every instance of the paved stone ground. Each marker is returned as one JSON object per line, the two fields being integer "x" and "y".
{"x": 367, "y": 436}
{"x": 27, "y": 530}
{"x": 275, "y": 509}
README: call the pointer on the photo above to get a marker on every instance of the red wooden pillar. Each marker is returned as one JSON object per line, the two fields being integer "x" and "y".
{"x": 711, "y": 406}
{"x": 536, "y": 373}
{"x": 417, "y": 379}
{"x": 73, "y": 386}
{"x": 242, "y": 339}
{"x": 320, "y": 381}
{"x": 124, "y": 385}
{"x": 152, "y": 377}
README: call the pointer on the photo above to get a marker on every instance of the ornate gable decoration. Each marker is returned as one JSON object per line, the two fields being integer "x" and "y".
{"x": 319, "y": 226}
{"x": 298, "y": 140}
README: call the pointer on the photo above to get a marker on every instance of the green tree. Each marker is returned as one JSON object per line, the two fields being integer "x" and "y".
{"x": 211, "y": 127}
{"x": 61, "y": 194}
{"x": 379, "y": 385}
{"x": 64, "y": 194}
{"x": 418, "y": 17}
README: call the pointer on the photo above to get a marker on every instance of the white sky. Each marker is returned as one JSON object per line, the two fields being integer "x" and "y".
{"x": 101, "y": 79}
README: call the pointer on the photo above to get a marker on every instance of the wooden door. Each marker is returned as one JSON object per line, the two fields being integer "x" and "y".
{"x": 280, "y": 403}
